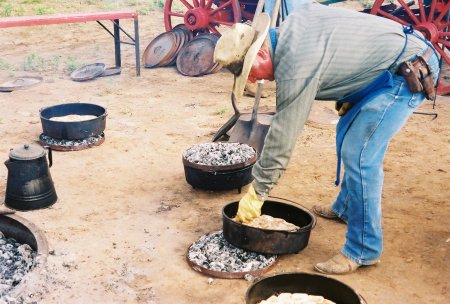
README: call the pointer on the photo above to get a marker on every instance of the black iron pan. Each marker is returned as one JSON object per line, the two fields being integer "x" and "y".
{"x": 267, "y": 240}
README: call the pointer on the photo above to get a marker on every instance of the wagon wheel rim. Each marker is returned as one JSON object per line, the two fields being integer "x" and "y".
{"x": 202, "y": 15}
{"x": 430, "y": 19}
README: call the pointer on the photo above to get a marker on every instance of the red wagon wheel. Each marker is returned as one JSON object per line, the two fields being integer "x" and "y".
{"x": 201, "y": 15}
{"x": 430, "y": 17}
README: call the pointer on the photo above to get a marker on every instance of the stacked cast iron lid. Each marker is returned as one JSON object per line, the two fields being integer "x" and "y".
{"x": 163, "y": 50}
{"x": 196, "y": 58}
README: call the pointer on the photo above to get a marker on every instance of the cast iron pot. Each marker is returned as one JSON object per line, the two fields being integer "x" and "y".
{"x": 266, "y": 240}
{"x": 29, "y": 185}
{"x": 73, "y": 130}
{"x": 25, "y": 232}
{"x": 219, "y": 177}
{"x": 302, "y": 282}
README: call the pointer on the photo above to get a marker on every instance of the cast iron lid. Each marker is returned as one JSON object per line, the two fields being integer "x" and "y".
{"x": 27, "y": 152}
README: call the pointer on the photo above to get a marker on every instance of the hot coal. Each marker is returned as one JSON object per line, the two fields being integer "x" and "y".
{"x": 16, "y": 260}
{"x": 219, "y": 153}
{"x": 89, "y": 141}
{"x": 213, "y": 252}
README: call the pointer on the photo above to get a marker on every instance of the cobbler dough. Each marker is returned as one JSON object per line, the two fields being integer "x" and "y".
{"x": 268, "y": 222}
{"x": 73, "y": 117}
{"x": 296, "y": 298}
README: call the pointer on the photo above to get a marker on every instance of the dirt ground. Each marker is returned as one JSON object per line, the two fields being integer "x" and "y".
{"x": 125, "y": 215}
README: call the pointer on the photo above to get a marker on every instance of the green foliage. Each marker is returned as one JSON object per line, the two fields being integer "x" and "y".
{"x": 3, "y": 64}
{"x": 71, "y": 64}
{"x": 34, "y": 62}
{"x": 30, "y": 1}
{"x": 20, "y": 11}
{"x": 144, "y": 7}
{"x": 42, "y": 10}
{"x": 7, "y": 9}
{"x": 221, "y": 111}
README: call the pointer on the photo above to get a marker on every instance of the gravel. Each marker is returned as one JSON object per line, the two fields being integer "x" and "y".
{"x": 219, "y": 153}
{"x": 15, "y": 261}
{"x": 213, "y": 252}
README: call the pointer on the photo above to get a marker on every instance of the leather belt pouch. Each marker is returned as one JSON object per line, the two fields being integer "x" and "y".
{"x": 418, "y": 77}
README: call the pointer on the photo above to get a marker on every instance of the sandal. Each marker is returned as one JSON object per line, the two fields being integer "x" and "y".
{"x": 339, "y": 264}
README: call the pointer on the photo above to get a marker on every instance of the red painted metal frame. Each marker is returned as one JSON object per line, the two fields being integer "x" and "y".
{"x": 200, "y": 15}
{"x": 114, "y": 16}
{"x": 431, "y": 20}
{"x": 64, "y": 18}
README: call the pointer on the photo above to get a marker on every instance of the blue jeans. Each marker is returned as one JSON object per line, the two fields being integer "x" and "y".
{"x": 364, "y": 147}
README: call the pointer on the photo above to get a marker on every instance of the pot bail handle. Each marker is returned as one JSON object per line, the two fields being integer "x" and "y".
{"x": 50, "y": 157}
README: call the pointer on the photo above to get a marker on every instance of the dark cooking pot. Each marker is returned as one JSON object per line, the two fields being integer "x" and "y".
{"x": 72, "y": 130}
{"x": 29, "y": 185}
{"x": 266, "y": 240}
{"x": 219, "y": 177}
{"x": 301, "y": 282}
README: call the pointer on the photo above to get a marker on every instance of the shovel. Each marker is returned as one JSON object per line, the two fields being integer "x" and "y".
{"x": 252, "y": 130}
{"x": 230, "y": 123}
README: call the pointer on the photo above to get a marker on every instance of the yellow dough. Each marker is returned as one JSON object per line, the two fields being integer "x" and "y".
{"x": 73, "y": 117}
{"x": 268, "y": 222}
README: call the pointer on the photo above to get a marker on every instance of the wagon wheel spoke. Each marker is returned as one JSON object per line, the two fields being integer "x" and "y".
{"x": 432, "y": 9}
{"x": 392, "y": 17}
{"x": 422, "y": 11}
{"x": 443, "y": 13}
{"x": 444, "y": 34}
{"x": 219, "y": 8}
{"x": 444, "y": 42}
{"x": 217, "y": 21}
{"x": 212, "y": 29}
{"x": 202, "y": 15}
{"x": 408, "y": 11}
{"x": 176, "y": 14}
{"x": 187, "y": 4}
{"x": 209, "y": 4}
{"x": 443, "y": 54}
{"x": 443, "y": 26}
{"x": 427, "y": 16}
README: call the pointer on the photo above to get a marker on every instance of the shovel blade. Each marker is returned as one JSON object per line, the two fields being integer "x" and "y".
{"x": 247, "y": 132}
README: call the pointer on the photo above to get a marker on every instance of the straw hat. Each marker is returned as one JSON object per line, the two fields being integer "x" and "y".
{"x": 237, "y": 49}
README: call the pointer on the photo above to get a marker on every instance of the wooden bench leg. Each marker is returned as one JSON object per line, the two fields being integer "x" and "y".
{"x": 136, "y": 47}
{"x": 117, "y": 43}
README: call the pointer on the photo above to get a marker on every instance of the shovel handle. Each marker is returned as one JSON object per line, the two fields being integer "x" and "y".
{"x": 257, "y": 98}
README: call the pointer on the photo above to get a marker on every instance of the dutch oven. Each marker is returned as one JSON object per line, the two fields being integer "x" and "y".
{"x": 302, "y": 282}
{"x": 216, "y": 178}
{"x": 25, "y": 232}
{"x": 266, "y": 240}
{"x": 73, "y": 130}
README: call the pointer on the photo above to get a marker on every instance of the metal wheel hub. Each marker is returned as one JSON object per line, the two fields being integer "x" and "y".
{"x": 196, "y": 18}
{"x": 429, "y": 30}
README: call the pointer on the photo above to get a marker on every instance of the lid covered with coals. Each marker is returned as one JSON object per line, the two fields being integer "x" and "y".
{"x": 27, "y": 152}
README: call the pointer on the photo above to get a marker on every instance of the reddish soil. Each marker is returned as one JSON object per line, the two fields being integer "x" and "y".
{"x": 125, "y": 216}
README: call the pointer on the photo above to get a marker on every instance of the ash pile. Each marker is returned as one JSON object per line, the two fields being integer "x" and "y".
{"x": 219, "y": 154}
{"x": 16, "y": 260}
{"x": 213, "y": 252}
{"x": 71, "y": 143}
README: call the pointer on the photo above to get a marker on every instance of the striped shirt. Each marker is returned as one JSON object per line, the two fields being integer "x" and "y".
{"x": 323, "y": 53}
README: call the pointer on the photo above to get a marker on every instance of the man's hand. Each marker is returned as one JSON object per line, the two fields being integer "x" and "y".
{"x": 342, "y": 107}
{"x": 249, "y": 207}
